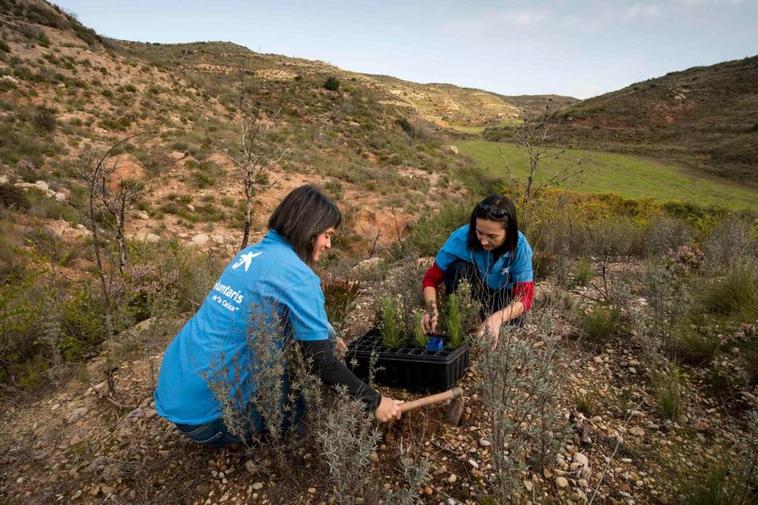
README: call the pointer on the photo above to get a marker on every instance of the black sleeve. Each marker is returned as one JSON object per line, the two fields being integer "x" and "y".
{"x": 334, "y": 372}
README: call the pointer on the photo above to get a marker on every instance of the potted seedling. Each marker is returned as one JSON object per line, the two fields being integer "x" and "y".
{"x": 405, "y": 355}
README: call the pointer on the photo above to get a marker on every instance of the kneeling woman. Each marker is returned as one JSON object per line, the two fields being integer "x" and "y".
{"x": 494, "y": 256}
{"x": 271, "y": 287}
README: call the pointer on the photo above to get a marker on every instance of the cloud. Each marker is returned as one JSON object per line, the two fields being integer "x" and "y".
{"x": 641, "y": 11}
{"x": 493, "y": 22}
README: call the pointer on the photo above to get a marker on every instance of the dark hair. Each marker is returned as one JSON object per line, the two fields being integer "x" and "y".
{"x": 495, "y": 208}
{"x": 302, "y": 216}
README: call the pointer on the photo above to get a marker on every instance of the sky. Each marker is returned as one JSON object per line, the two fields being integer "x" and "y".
{"x": 574, "y": 48}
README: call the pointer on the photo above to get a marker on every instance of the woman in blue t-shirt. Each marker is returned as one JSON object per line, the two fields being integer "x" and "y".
{"x": 268, "y": 287}
{"x": 495, "y": 257}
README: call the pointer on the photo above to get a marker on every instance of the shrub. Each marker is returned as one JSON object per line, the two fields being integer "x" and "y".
{"x": 429, "y": 233}
{"x": 12, "y": 197}
{"x": 331, "y": 84}
{"x": 730, "y": 241}
{"x": 340, "y": 296}
{"x": 4, "y": 47}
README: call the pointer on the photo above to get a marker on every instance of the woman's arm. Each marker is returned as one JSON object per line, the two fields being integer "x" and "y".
{"x": 334, "y": 373}
{"x": 432, "y": 278}
{"x": 523, "y": 293}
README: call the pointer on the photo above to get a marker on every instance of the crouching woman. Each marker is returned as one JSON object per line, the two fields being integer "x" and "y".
{"x": 268, "y": 286}
{"x": 494, "y": 257}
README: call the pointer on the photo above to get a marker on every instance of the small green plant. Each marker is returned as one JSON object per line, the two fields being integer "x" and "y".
{"x": 667, "y": 388}
{"x": 420, "y": 338}
{"x": 454, "y": 322}
{"x": 391, "y": 324}
{"x": 332, "y": 83}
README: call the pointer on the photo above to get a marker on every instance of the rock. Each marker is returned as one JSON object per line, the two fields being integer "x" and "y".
{"x": 200, "y": 239}
{"x": 452, "y": 478}
{"x": 484, "y": 442}
{"x": 9, "y": 79}
{"x": 60, "y": 196}
{"x": 367, "y": 265}
{"x": 3, "y": 179}
{"x": 451, "y": 149}
{"x": 473, "y": 463}
{"x": 428, "y": 491}
{"x": 312, "y": 490}
{"x": 528, "y": 485}
{"x": 561, "y": 482}
{"x": 135, "y": 415}
{"x": 258, "y": 486}
{"x": 637, "y": 431}
{"x": 76, "y": 414}
{"x": 217, "y": 239}
{"x": 581, "y": 459}
{"x": 141, "y": 214}
{"x": 374, "y": 457}
{"x": 42, "y": 185}
{"x": 700, "y": 425}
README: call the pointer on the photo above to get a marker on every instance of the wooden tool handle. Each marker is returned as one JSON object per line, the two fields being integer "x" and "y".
{"x": 431, "y": 400}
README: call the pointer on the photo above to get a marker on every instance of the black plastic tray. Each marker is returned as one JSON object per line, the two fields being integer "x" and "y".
{"x": 410, "y": 368}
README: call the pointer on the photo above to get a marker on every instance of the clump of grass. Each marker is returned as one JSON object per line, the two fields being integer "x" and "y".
{"x": 585, "y": 403}
{"x": 583, "y": 274}
{"x": 667, "y": 389}
{"x": 601, "y": 323}
{"x": 692, "y": 346}
{"x": 734, "y": 294}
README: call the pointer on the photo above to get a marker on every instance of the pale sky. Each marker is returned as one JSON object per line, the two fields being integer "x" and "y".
{"x": 576, "y": 48}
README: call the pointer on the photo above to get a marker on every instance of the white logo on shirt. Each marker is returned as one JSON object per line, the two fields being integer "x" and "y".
{"x": 246, "y": 259}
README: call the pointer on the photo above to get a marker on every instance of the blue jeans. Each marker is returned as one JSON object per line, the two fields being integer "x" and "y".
{"x": 213, "y": 434}
{"x": 216, "y": 434}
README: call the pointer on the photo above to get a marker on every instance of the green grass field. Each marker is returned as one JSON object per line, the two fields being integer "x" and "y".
{"x": 628, "y": 176}
{"x": 476, "y": 130}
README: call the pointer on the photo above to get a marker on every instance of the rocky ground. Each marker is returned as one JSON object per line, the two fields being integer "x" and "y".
{"x": 97, "y": 438}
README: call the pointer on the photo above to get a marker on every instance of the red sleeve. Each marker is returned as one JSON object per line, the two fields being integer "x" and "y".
{"x": 524, "y": 291}
{"x": 433, "y": 277}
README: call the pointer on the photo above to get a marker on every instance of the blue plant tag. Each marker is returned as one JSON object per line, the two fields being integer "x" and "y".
{"x": 434, "y": 344}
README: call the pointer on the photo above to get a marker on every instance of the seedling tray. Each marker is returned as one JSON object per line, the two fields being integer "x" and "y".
{"x": 408, "y": 367}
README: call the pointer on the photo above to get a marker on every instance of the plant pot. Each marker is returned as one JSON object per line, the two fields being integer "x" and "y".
{"x": 408, "y": 367}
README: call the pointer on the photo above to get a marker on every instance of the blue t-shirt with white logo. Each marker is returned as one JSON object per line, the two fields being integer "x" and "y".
{"x": 503, "y": 273}
{"x": 266, "y": 287}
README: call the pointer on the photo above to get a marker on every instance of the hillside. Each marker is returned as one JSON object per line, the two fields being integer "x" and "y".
{"x": 704, "y": 117}
{"x": 634, "y": 378}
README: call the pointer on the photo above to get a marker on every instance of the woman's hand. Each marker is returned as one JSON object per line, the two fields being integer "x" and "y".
{"x": 429, "y": 320}
{"x": 388, "y": 410}
{"x": 491, "y": 328}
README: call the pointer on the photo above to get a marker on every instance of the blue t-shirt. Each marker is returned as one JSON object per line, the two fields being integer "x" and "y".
{"x": 266, "y": 287}
{"x": 503, "y": 273}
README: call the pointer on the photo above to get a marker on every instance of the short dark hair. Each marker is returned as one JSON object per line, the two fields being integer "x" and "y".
{"x": 303, "y": 215}
{"x": 495, "y": 208}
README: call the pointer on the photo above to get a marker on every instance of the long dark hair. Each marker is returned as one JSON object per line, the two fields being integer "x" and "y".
{"x": 502, "y": 210}
{"x": 302, "y": 216}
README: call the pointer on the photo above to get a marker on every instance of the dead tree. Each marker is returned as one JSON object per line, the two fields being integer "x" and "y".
{"x": 96, "y": 172}
{"x": 532, "y": 137}
{"x": 253, "y": 155}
